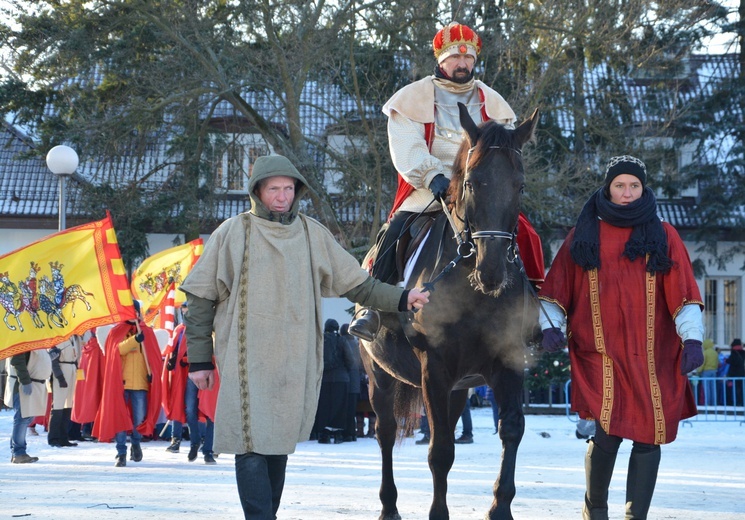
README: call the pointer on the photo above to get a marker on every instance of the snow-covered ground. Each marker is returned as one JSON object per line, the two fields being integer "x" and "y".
{"x": 702, "y": 476}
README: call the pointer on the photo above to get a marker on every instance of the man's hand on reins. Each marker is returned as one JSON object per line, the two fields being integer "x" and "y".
{"x": 417, "y": 299}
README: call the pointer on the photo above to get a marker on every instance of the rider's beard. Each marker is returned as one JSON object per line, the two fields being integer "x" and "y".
{"x": 461, "y": 75}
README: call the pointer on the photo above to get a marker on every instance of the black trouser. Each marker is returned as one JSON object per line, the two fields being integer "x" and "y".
{"x": 384, "y": 268}
{"x": 261, "y": 479}
{"x": 59, "y": 423}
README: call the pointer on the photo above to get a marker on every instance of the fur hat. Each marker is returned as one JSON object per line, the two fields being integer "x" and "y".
{"x": 736, "y": 344}
{"x": 625, "y": 164}
{"x": 456, "y": 39}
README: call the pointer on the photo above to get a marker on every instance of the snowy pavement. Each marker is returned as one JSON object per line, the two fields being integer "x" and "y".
{"x": 702, "y": 476}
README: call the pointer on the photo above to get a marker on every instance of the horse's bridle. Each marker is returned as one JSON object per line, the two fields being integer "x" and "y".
{"x": 465, "y": 237}
{"x": 511, "y": 236}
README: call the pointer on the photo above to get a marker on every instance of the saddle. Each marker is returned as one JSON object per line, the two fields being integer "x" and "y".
{"x": 418, "y": 227}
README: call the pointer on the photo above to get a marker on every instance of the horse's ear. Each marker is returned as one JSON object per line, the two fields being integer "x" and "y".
{"x": 467, "y": 123}
{"x": 525, "y": 131}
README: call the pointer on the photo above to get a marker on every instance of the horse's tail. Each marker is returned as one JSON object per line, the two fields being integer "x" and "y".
{"x": 407, "y": 408}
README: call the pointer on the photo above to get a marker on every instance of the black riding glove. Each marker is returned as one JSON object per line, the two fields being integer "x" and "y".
{"x": 439, "y": 186}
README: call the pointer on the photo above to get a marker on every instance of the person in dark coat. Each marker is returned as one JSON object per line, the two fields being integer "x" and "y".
{"x": 736, "y": 363}
{"x": 356, "y": 371}
{"x": 332, "y": 403}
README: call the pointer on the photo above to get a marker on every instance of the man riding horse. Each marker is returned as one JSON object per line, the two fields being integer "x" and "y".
{"x": 424, "y": 134}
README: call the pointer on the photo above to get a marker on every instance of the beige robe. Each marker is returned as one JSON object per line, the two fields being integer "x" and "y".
{"x": 39, "y": 368}
{"x": 69, "y": 356}
{"x": 268, "y": 325}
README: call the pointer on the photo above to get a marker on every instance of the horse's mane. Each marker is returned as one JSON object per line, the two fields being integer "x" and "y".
{"x": 491, "y": 135}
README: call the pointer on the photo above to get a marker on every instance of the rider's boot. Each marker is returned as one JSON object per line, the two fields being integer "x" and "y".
{"x": 365, "y": 324}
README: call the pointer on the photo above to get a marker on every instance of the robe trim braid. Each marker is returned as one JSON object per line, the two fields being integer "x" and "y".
{"x": 654, "y": 384}
{"x": 243, "y": 341}
{"x": 606, "y": 410}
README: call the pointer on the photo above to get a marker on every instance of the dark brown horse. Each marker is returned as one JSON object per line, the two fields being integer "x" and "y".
{"x": 473, "y": 330}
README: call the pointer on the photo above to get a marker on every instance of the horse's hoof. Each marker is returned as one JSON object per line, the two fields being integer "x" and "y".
{"x": 390, "y": 516}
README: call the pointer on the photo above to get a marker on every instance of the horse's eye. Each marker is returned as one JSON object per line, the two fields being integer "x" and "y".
{"x": 522, "y": 189}
{"x": 469, "y": 186}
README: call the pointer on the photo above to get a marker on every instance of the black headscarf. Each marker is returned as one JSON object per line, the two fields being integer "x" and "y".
{"x": 647, "y": 237}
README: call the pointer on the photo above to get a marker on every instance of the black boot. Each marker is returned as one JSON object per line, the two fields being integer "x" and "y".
{"x": 174, "y": 446}
{"x": 135, "y": 453}
{"x": 598, "y": 473}
{"x": 642, "y": 477}
{"x": 365, "y": 324}
{"x": 54, "y": 437}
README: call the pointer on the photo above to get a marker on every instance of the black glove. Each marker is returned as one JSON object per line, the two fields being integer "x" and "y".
{"x": 553, "y": 340}
{"x": 54, "y": 353}
{"x": 139, "y": 338}
{"x": 184, "y": 362}
{"x": 150, "y": 378}
{"x": 27, "y": 388}
{"x": 171, "y": 363}
{"x": 693, "y": 356}
{"x": 439, "y": 186}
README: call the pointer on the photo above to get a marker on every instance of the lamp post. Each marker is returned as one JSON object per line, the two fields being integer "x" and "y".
{"x": 62, "y": 161}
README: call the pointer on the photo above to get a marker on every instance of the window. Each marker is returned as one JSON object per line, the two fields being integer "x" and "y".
{"x": 721, "y": 314}
{"x": 233, "y": 158}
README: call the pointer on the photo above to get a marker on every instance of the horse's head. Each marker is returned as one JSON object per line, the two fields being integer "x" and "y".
{"x": 486, "y": 188}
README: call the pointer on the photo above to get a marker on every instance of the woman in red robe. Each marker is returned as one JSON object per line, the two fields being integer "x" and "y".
{"x": 622, "y": 287}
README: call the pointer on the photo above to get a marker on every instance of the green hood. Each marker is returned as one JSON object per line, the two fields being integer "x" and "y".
{"x": 273, "y": 166}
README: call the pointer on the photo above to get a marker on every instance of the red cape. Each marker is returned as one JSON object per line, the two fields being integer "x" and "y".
{"x": 174, "y": 383}
{"x": 88, "y": 391}
{"x": 113, "y": 413}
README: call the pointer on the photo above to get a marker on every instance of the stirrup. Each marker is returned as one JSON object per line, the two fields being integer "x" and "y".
{"x": 365, "y": 324}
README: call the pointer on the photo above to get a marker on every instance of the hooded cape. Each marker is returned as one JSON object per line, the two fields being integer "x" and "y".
{"x": 267, "y": 275}
{"x": 113, "y": 413}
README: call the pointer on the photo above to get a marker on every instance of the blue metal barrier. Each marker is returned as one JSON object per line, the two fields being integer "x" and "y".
{"x": 717, "y": 398}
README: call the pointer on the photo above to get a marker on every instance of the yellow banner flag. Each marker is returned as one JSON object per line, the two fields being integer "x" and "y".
{"x": 152, "y": 279}
{"x": 64, "y": 284}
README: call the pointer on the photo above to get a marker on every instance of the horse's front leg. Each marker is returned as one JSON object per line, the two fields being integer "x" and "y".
{"x": 382, "y": 400}
{"x": 507, "y": 387}
{"x": 442, "y": 446}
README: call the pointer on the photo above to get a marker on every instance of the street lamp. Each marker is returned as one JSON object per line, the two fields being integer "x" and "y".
{"x": 62, "y": 161}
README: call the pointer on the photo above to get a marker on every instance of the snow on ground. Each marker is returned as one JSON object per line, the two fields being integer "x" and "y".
{"x": 702, "y": 476}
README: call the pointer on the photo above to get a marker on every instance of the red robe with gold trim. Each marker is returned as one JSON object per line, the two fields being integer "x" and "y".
{"x": 624, "y": 350}
{"x": 113, "y": 413}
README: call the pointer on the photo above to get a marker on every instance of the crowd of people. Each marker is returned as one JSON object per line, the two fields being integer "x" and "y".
{"x": 254, "y": 369}
{"x": 79, "y": 391}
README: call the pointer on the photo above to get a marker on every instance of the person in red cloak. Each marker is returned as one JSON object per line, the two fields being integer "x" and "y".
{"x": 88, "y": 390}
{"x": 184, "y": 402}
{"x": 622, "y": 287}
{"x": 130, "y": 400}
